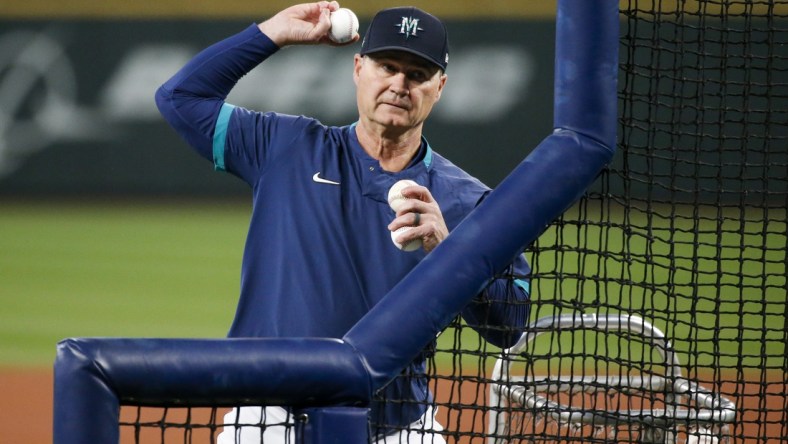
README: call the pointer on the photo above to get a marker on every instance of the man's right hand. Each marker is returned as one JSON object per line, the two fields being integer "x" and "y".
{"x": 304, "y": 24}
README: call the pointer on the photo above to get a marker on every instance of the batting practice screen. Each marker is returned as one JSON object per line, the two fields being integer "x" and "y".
{"x": 658, "y": 300}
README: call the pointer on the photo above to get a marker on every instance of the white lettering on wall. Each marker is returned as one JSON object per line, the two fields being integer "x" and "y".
{"x": 38, "y": 99}
{"x": 129, "y": 92}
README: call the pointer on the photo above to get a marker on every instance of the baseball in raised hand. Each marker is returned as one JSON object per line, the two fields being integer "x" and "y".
{"x": 344, "y": 26}
{"x": 303, "y": 24}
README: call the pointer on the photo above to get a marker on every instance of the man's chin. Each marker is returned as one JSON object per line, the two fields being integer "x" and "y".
{"x": 396, "y": 121}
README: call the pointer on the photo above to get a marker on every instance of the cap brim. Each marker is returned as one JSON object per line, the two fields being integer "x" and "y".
{"x": 408, "y": 50}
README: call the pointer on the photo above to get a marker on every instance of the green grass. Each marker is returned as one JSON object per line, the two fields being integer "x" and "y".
{"x": 171, "y": 269}
{"x": 115, "y": 270}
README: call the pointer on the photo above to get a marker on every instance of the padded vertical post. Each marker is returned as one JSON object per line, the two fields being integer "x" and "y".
{"x": 86, "y": 408}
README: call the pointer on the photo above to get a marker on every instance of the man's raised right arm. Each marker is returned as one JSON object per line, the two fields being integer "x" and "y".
{"x": 191, "y": 100}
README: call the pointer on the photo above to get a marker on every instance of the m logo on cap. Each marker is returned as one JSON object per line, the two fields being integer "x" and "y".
{"x": 409, "y": 27}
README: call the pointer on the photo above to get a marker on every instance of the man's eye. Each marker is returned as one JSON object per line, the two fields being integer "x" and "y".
{"x": 418, "y": 76}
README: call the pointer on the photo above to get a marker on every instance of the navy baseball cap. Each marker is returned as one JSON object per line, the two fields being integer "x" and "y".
{"x": 411, "y": 30}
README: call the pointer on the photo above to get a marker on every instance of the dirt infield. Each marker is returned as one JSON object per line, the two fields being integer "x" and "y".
{"x": 26, "y": 405}
{"x": 27, "y": 396}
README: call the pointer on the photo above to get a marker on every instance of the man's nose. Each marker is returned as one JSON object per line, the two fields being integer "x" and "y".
{"x": 399, "y": 84}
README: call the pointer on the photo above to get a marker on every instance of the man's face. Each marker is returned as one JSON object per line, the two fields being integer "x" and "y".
{"x": 396, "y": 89}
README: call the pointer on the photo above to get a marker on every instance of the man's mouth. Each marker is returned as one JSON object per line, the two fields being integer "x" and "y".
{"x": 399, "y": 105}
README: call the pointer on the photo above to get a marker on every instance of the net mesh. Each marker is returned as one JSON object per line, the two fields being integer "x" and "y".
{"x": 686, "y": 230}
{"x": 205, "y": 424}
{"x": 172, "y": 425}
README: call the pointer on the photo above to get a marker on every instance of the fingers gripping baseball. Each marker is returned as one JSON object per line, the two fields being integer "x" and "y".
{"x": 420, "y": 211}
{"x": 432, "y": 227}
{"x": 307, "y": 23}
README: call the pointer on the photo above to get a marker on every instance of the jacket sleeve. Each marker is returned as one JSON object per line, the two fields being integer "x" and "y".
{"x": 500, "y": 312}
{"x": 192, "y": 100}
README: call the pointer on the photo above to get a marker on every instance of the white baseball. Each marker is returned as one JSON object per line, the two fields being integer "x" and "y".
{"x": 395, "y": 197}
{"x": 411, "y": 245}
{"x": 344, "y": 26}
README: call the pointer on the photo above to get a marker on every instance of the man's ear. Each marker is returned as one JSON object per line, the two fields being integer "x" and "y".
{"x": 358, "y": 61}
{"x": 441, "y": 84}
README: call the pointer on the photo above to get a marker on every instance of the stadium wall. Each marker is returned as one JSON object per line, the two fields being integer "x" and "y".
{"x": 78, "y": 117}
{"x": 81, "y": 119}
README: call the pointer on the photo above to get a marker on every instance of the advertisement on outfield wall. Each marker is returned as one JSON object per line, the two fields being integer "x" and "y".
{"x": 78, "y": 116}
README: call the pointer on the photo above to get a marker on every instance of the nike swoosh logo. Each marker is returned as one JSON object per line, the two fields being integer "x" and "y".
{"x": 319, "y": 179}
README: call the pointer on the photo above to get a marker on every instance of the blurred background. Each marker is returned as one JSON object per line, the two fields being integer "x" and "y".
{"x": 78, "y": 77}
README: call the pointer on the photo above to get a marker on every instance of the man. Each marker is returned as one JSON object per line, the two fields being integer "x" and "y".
{"x": 319, "y": 253}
